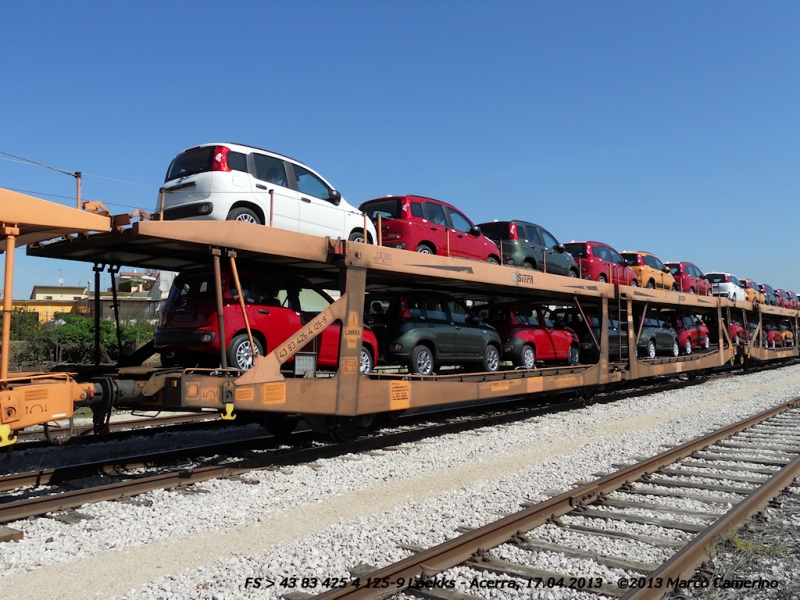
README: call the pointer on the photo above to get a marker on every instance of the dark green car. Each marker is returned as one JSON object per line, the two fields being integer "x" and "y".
{"x": 657, "y": 337}
{"x": 530, "y": 246}
{"x": 424, "y": 330}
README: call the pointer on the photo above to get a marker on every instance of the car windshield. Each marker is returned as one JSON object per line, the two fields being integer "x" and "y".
{"x": 576, "y": 250}
{"x": 387, "y": 209}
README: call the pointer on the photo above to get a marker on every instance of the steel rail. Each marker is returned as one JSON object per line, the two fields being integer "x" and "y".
{"x": 435, "y": 560}
{"x": 29, "y": 507}
{"x": 683, "y": 564}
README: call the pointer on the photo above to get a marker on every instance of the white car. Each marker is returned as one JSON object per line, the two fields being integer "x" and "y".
{"x": 233, "y": 182}
{"x": 727, "y": 286}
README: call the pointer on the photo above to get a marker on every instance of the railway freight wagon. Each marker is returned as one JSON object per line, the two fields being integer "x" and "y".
{"x": 343, "y": 401}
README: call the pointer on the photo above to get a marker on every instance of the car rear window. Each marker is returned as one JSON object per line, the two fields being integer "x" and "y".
{"x": 387, "y": 209}
{"x": 577, "y": 250}
{"x": 495, "y": 231}
{"x": 198, "y": 160}
{"x": 194, "y": 285}
{"x": 675, "y": 270}
{"x": 631, "y": 258}
{"x": 716, "y": 277}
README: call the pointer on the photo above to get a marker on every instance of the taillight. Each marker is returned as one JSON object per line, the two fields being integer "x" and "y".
{"x": 639, "y": 260}
{"x": 220, "y": 162}
{"x": 512, "y": 231}
{"x": 404, "y": 312}
{"x": 405, "y": 208}
{"x": 588, "y": 251}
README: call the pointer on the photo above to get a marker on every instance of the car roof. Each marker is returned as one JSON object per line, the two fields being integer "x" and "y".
{"x": 409, "y": 197}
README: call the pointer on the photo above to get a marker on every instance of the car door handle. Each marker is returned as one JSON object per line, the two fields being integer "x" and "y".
{"x": 461, "y": 235}
{"x": 434, "y": 229}
{"x": 263, "y": 311}
{"x": 306, "y": 200}
{"x": 261, "y": 187}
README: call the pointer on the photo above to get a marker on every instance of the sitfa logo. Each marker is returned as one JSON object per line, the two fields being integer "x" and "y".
{"x": 521, "y": 278}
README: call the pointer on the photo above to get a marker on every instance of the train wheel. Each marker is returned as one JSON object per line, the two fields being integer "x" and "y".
{"x": 280, "y": 426}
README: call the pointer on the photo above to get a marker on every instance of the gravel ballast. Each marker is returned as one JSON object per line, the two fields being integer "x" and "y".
{"x": 320, "y": 520}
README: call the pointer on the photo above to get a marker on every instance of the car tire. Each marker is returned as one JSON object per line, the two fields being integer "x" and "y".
{"x": 572, "y": 273}
{"x": 492, "y": 260}
{"x": 424, "y": 249}
{"x": 674, "y": 288}
{"x": 651, "y": 349}
{"x": 240, "y": 355}
{"x": 243, "y": 214}
{"x": 601, "y": 279}
{"x": 687, "y": 347}
{"x": 528, "y": 357}
{"x": 526, "y": 265}
{"x": 574, "y": 356}
{"x": 736, "y": 342}
{"x": 706, "y": 343}
{"x": 356, "y": 236}
{"x": 691, "y": 290}
{"x": 366, "y": 362}
{"x": 651, "y": 285}
{"x": 491, "y": 358}
{"x": 421, "y": 361}
{"x": 634, "y": 283}
{"x": 676, "y": 349}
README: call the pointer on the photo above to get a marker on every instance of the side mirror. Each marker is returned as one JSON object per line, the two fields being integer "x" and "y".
{"x": 335, "y": 197}
{"x": 665, "y": 269}
{"x": 475, "y": 230}
{"x": 559, "y": 248}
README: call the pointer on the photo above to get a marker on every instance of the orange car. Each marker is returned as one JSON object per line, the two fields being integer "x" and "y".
{"x": 650, "y": 271}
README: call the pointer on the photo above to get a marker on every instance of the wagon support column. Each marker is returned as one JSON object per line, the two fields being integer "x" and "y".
{"x": 10, "y": 234}
{"x": 349, "y": 375}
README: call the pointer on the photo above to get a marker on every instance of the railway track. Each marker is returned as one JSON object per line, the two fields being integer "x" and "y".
{"x": 744, "y": 466}
{"x": 22, "y": 498}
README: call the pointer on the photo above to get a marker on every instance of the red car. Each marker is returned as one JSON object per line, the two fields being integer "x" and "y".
{"x": 528, "y": 335}
{"x": 739, "y": 334}
{"x": 689, "y": 278}
{"x": 692, "y": 332}
{"x": 425, "y": 225}
{"x": 600, "y": 262}
{"x": 774, "y": 335}
{"x": 277, "y": 307}
{"x": 785, "y": 299}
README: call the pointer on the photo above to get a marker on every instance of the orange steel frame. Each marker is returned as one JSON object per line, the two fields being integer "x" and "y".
{"x": 361, "y": 267}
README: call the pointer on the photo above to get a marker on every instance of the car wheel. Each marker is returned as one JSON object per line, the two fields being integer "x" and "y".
{"x": 634, "y": 283}
{"x": 422, "y": 361}
{"x": 528, "y": 357}
{"x": 736, "y": 341}
{"x": 574, "y": 356}
{"x": 676, "y": 349}
{"x": 240, "y": 354}
{"x": 526, "y": 265}
{"x": 356, "y": 236}
{"x": 492, "y": 260}
{"x": 245, "y": 215}
{"x": 691, "y": 290}
{"x": 687, "y": 347}
{"x": 573, "y": 273}
{"x": 707, "y": 343}
{"x": 365, "y": 365}
{"x": 651, "y": 349}
{"x": 491, "y": 358}
{"x": 651, "y": 285}
{"x": 601, "y": 279}
{"x": 424, "y": 249}
{"x": 674, "y": 288}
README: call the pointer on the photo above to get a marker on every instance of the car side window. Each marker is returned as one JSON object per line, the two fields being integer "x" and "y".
{"x": 237, "y": 161}
{"x": 458, "y": 314}
{"x": 614, "y": 256}
{"x": 657, "y": 264}
{"x": 270, "y": 169}
{"x": 416, "y": 210}
{"x": 434, "y": 310}
{"x": 600, "y": 252}
{"x": 460, "y": 222}
{"x": 532, "y": 235}
{"x": 436, "y": 213}
{"x": 312, "y": 301}
{"x": 549, "y": 240}
{"x": 308, "y": 183}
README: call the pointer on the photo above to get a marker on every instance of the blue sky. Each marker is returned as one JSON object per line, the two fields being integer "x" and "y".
{"x": 670, "y": 127}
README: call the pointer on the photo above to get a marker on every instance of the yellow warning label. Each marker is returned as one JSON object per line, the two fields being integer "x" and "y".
{"x": 565, "y": 381}
{"x": 399, "y": 395}
{"x": 244, "y": 394}
{"x": 192, "y": 389}
{"x": 349, "y": 365}
{"x": 495, "y": 386}
{"x": 273, "y": 393}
